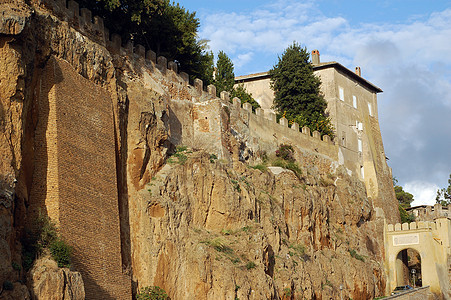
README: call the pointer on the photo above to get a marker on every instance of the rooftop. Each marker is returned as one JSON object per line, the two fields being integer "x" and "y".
{"x": 316, "y": 67}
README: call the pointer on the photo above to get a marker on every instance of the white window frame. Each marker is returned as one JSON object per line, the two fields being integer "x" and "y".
{"x": 370, "y": 109}
{"x": 341, "y": 93}
{"x": 354, "y": 101}
{"x": 360, "y": 145}
{"x": 362, "y": 172}
{"x": 358, "y": 125}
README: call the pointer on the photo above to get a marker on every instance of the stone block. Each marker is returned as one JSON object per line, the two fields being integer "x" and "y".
{"x": 74, "y": 10}
{"x": 185, "y": 77}
{"x": 162, "y": 63}
{"x": 198, "y": 85}
{"x": 306, "y": 130}
{"x": 225, "y": 96}
{"x": 421, "y": 225}
{"x": 259, "y": 112}
{"x": 271, "y": 116}
{"x": 397, "y": 227}
{"x": 316, "y": 135}
{"x": 211, "y": 89}
{"x": 129, "y": 48}
{"x": 86, "y": 16}
{"x": 326, "y": 138}
{"x": 295, "y": 126}
{"x": 152, "y": 56}
{"x": 247, "y": 106}
{"x": 116, "y": 42}
{"x": 390, "y": 227}
{"x": 236, "y": 102}
{"x": 405, "y": 226}
{"x": 413, "y": 225}
{"x": 140, "y": 50}
{"x": 172, "y": 65}
{"x": 99, "y": 24}
{"x": 283, "y": 122}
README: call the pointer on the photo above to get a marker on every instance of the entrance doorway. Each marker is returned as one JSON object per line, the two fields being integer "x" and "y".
{"x": 408, "y": 268}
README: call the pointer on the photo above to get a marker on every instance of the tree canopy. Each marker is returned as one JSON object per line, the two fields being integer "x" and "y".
{"x": 167, "y": 28}
{"x": 404, "y": 200}
{"x": 224, "y": 73}
{"x": 444, "y": 194}
{"x": 225, "y": 81}
{"x": 297, "y": 94}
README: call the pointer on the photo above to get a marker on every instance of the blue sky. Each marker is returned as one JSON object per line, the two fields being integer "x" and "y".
{"x": 402, "y": 46}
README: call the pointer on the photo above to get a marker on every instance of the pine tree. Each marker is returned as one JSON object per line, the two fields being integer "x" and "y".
{"x": 224, "y": 75}
{"x": 297, "y": 93}
{"x": 444, "y": 194}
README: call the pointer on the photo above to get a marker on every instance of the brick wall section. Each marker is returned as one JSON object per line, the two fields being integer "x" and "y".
{"x": 45, "y": 189}
{"x": 86, "y": 176}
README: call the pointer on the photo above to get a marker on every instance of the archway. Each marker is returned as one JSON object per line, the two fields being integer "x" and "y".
{"x": 408, "y": 268}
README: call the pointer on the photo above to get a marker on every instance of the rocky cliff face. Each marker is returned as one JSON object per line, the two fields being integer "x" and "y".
{"x": 194, "y": 225}
{"x": 218, "y": 230}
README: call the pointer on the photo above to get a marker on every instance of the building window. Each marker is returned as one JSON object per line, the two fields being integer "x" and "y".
{"x": 360, "y": 145}
{"x": 362, "y": 173}
{"x": 354, "y": 101}
{"x": 358, "y": 125}
{"x": 341, "y": 93}
{"x": 370, "y": 109}
{"x": 343, "y": 139}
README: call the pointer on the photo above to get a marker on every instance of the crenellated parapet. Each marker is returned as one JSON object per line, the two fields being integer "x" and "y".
{"x": 437, "y": 224}
{"x": 282, "y": 125}
{"x": 264, "y": 122}
{"x": 411, "y": 226}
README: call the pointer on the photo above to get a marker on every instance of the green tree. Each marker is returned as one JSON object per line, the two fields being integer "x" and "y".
{"x": 240, "y": 91}
{"x": 297, "y": 94}
{"x": 167, "y": 28}
{"x": 225, "y": 81}
{"x": 444, "y": 194}
{"x": 224, "y": 75}
{"x": 404, "y": 200}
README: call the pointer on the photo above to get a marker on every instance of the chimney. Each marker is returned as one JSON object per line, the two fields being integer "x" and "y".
{"x": 315, "y": 57}
{"x": 358, "y": 71}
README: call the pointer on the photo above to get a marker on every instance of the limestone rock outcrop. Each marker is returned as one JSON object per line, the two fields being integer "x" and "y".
{"x": 48, "y": 281}
{"x": 213, "y": 230}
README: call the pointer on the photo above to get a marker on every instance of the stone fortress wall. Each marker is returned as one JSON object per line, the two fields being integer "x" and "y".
{"x": 196, "y": 116}
{"x": 82, "y": 20}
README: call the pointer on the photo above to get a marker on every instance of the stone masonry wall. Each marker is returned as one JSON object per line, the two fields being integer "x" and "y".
{"x": 84, "y": 200}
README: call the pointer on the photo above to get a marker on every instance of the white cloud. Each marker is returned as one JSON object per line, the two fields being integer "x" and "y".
{"x": 423, "y": 192}
{"x": 242, "y": 59}
{"x": 410, "y": 61}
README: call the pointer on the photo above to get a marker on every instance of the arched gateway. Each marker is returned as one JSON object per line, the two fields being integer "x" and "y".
{"x": 428, "y": 240}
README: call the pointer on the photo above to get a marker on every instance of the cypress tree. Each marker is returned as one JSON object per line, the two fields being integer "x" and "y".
{"x": 297, "y": 94}
{"x": 224, "y": 75}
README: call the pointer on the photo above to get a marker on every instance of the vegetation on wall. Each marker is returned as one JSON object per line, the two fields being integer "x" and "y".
{"x": 167, "y": 28}
{"x": 44, "y": 236}
{"x": 152, "y": 293}
{"x": 444, "y": 194}
{"x": 225, "y": 81}
{"x": 297, "y": 95}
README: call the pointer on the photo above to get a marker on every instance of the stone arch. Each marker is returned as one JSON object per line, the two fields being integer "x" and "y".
{"x": 432, "y": 242}
{"x": 408, "y": 259}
